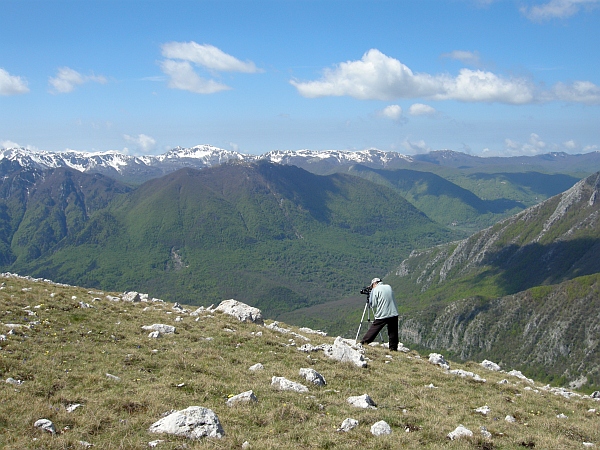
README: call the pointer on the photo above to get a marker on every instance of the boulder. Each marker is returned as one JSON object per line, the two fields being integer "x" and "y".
{"x": 489, "y": 365}
{"x": 348, "y": 424}
{"x": 241, "y": 311}
{"x": 343, "y": 352}
{"x": 459, "y": 432}
{"x": 161, "y": 328}
{"x": 284, "y": 384}
{"x": 46, "y": 425}
{"x": 244, "y": 397}
{"x": 380, "y": 428}
{"x": 362, "y": 401}
{"x": 255, "y": 367}
{"x": 436, "y": 358}
{"x": 313, "y": 376}
{"x": 194, "y": 422}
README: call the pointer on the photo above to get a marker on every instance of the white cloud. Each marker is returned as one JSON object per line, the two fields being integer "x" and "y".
{"x": 556, "y": 9}
{"x": 9, "y": 144}
{"x": 142, "y": 142}
{"x": 67, "y": 79}
{"x": 12, "y": 84}
{"x": 471, "y": 58}
{"x": 379, "y": 77}
{"x": 182, "y": 76}
{"x": 207, "y": 56}
{"x": 393, "y": 112}
{"x": 416, "y": 147}
{"x": 419, "y": 109}
{"x": 578, "y": 92}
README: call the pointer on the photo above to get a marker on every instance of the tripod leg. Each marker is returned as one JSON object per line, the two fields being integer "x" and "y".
{"x": 361, "y": 321}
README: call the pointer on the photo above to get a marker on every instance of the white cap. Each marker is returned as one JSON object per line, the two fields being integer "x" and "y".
{"x": 375, "y": 280}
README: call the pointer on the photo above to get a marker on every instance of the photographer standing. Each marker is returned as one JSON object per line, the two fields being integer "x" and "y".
{"x": 385, "y": 311}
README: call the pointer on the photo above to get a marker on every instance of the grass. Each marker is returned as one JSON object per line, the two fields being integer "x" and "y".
{"x": 63, "y": 359}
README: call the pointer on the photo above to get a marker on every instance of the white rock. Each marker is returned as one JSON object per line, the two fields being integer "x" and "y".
{"x": 485, "y": 433}
{"x": 241, "y": 311}
{"x": 73, "y": 407}
{"x": 155, "y": 443}
{"x": 436, "y": 358}
{"x": 11, "y": 380}
{"x": 380, "y": 428}
{"x": 483, "y": 410}
{"x": 113, "y": 377}
{"x": 459, "y": 432}
{"x": 348, "y": 424}
{"x": 284, "y": 384}
{"x": 194, "y": 422}
{"x": 518, "y": 374}
{"x": 589, "y": 444}
{"x": 313, "y": 376}
{"x": 131, "y": 297}
{"x": 343, "y": 352}
{"x": 490, "y": 365}
{"x": 362, "y": 401}
{"x": 245, "y": 445}
{"x": 160, "y": 327}
{"x": 46, "y": 425}
{"x": 561, "y": 416}
{"x": 244, "y": 397}
{"x": 255, "y": 367}
{"x": 467, "y": 374}
{"x": 154, "y": 334}
{"x": 510, "y": 419}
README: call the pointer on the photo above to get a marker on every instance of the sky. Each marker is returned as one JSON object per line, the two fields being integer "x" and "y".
{"x": 484, "y": 77}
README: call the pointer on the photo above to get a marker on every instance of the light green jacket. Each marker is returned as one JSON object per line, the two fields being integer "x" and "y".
{"x": 383, "y": 302}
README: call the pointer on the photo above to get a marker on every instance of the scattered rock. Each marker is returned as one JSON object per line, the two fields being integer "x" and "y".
{"x": 284, "y": 384}
{"x": 518, "y": 374}
{"x": 348, "y": 424}
{"x": 11, "y": 380}
{"x": 244, "y": 397}
{"x": 194, "y": 422}
{"x": 155, "y": 443}
{"x": 485, "y": 433}
{"x": 459, "y": 432}
{"x": 362, "y": 401}
{"x": 510, "y": 419}
{"x": 466, "y": 374}
{"x": 436, "y": 358}
{"x": 483, "y": 410}
{"x": 46, "y": 425}
{"x": 343, "y": 352}
{"x": 131, "y": 297}
{"x": 380, "y": 428}
{"x": 241, "y": 311}
{"x": 73, "y": 407}
{"x": 161, "y": 328}
{"x": 255, "y": 367}
{"x": 561, "y": 416}
{"x": 313, "y": 376}
{"x": 113, "y": 377}
{"x": 489, "y": 365}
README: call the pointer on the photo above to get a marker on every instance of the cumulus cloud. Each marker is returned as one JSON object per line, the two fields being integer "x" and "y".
{"x": 419, "y": 109}
{"x": 12, "y": 84}
{"x": 182, "y": 76}
{"x": 67, "y": 79}
{"x": 178, "y": 66}
{"x": 379, "y": 77}
{"x": 9, "y": 144}
{"x": 141, "y": 141}
{"x": 466, "y": 57}
{"x": 393, "y": 112}
{"x": 556, "y": 9}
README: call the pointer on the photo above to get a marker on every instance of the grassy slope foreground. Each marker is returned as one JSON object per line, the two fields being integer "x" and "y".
{"x": 62, "y": 353}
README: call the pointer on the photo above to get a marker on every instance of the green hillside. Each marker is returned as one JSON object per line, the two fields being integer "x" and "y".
{"x": 82, "y": 360}
{"x": 273, "y": 236}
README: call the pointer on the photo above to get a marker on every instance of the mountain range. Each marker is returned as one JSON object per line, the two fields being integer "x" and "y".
{"x": 489, "y": 257}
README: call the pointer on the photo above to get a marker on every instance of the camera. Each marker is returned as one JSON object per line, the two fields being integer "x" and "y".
{"x": 366, "y": 290}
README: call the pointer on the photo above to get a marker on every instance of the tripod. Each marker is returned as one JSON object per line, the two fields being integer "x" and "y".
{"x": 368, "y": 310}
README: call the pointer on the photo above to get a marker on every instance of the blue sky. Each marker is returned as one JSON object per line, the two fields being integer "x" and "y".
{"x": 486, "y": 77}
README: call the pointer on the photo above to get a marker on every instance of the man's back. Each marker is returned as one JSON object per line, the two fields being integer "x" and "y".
{"x": 383, "y": 302}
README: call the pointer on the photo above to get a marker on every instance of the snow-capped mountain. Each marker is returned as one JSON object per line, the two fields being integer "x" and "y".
{"x": 113, "y": 163}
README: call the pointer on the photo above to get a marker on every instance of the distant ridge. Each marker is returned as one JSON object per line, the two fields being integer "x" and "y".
{"x": 142, "y": 168}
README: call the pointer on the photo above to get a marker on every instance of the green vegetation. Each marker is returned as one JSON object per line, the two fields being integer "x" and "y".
{"x": 64, "y": 356}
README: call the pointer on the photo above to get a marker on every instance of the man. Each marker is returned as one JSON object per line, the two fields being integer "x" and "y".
{"x": 385, "y": 313}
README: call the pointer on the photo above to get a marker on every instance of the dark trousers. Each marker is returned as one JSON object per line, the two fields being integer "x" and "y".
{"x": 377, "y": 326}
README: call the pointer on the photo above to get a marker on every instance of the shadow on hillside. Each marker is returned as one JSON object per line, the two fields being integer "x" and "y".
{"x": 543, "y": 184}
{"x": 421, "y": 184}
{"x": 521, "y": 268}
